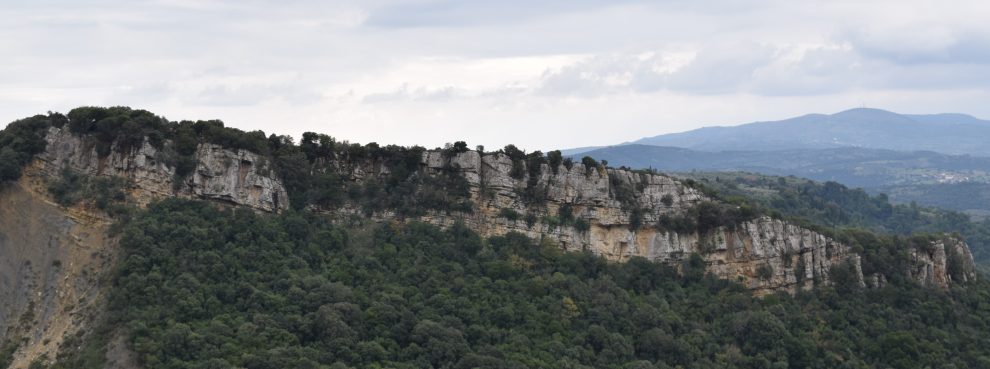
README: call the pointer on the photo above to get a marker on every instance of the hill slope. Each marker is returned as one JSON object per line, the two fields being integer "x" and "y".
{"x": 241, "y": 250}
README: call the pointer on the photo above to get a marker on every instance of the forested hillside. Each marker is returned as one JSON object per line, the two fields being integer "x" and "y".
{"x": 347, "y": 276}
{"x": 209, "y": 288}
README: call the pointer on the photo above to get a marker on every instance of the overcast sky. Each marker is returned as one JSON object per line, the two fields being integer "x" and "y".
{"x": 542, "y": 74}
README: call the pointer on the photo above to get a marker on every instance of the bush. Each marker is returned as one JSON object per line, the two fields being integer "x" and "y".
{"x": 568, "y": 163}
{"x": 509, "y": 214}
{"x": 566, "y": 213}
{"x": 764, "y": 272}
{"x": 582, "y": 225}
{"x": 554, "y": 158}
{"x": 681, "y": 224}
{"x": 590, "y": 165}
{"x": 667, "y": 200}
{"x": 534, "y": 194}
{"x": 457, "y": 148}
{"x": 71, "y": 188}
{"x": 21, "y": 140}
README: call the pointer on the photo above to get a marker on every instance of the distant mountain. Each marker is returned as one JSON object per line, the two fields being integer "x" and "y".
{"x": 959, "y": 182}
{"x": 865, "y": 128}
{"x": 578, "y": 150}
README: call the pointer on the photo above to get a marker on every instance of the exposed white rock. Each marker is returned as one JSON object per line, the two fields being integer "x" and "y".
{"x": 934, "y": 266}
{"x": 235, "y": 176}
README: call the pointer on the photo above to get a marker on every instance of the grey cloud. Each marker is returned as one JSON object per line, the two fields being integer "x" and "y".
{"x": 922, "y": 45}
{"x": 721, "y": 68}
{"x": 762, "y": 69}
{"x": 715, "y": 69}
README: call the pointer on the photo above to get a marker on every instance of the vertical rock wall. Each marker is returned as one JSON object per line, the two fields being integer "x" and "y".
{"x": 237, "y": 177}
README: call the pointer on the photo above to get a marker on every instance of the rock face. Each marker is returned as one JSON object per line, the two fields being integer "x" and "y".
{"x": 233, "y": 176}
{"x": 617, "y": 210}
{"x": 947, "y": 261}
{"x": 764, "y": 254}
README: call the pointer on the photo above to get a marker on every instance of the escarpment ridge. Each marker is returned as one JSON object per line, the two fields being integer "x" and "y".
{"x": 615, "y": 213}
{"x": 64, "y": 180}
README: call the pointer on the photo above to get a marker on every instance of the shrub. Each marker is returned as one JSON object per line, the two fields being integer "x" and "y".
{"x": 530, "y": 219}
{"x": 636, "y": 218}
{"x": 590, "y": 164}
{"x": 71, "y": 188}
{"x": 764, "y": 272}
{"x": 568, "y": 163}
{"x": 566, "y": 213}
{"x": 554, "y": 158}
{"x": 21, "y": 140}
{"x": 667, "y": 200}
{"x": 682, "y": 224}
{"x": 534, "y": 194}
{"x": 509, "y": 214}
{"x": 457, "y": 148}
{"x": 582, "y": 225}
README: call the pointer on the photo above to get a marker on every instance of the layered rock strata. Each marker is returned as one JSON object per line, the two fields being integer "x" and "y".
{"x": 237, "y": 177}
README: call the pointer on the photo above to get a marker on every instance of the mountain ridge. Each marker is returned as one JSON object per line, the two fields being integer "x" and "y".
{"x": 949, "y": 133}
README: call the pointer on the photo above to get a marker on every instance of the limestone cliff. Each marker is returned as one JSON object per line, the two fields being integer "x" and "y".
{"x": 233, "y": 176}
{"x": 619, "y": 209}
{"x": 947, "y": 261}
{"x": 764, "y": 254}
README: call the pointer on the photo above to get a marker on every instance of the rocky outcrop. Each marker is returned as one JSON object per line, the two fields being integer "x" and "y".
{"x": 233, "y": 176}
{"x": 764, "y": 254}
{"x": 614, "y": 212}
{"x": 947, "y": 261}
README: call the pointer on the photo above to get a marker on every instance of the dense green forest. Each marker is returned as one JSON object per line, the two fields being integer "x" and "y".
{"x": 202, "y": 287}
{"x": 831, "y": 205}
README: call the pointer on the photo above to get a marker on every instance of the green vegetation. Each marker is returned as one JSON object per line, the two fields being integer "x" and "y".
{"x": 206, "y": 287}
{"x": 706, "y": 216}
{"x": 106, "y": 194}
{"x": 534, "y": 194}
{"x": 590, "y": 165}
{"x": 518, "y": 158}
{"x": 7, "y": 352}
{"x": 555, "y": 159}
{"x": 21, "y": 140}
{"x": 123, "y": 129}
{"x": 310, "y": 181}
{"x": 200, "y": 286}
{"x": 509, "y": 214}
